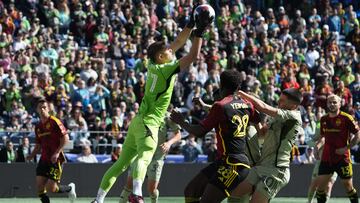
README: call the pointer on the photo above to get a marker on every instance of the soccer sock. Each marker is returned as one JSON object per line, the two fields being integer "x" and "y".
{"x": 124, "y": 195}
{"x": 311, "y": 196}
{"x": 192, "y": 199}
{"x": 154, "y": 196}
{"x": 137, "y": 187}
{"x": 63, "y": 189}
{"x": 43, "y": 197}
{"x": 321, "y": 196}
{"x": 352, "y": 194}
{"x": 242, "y": 199}
{"x": 101, "y": 196}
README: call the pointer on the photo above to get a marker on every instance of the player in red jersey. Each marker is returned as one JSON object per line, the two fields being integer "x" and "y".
{"x": 230, "y": 117}
{"x": 336, "y": 130}
{"x": 51, "y": 136}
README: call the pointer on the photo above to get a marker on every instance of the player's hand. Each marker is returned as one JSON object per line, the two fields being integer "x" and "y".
{"x": 202, "y": 22}
{"x": 54, "y": 158}
{"x": 198, "y": 101}
{"x": 177, "y": 117}
{"x": 341, "y": 151}
{"x": 165, "y": 147}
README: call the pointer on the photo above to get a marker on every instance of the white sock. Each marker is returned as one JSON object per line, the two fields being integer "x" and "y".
{"x": 101, "y": 196}
{"x": 137, "y": 187}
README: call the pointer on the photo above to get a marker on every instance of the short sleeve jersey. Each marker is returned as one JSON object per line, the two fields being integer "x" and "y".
{"x": 48, "y": 135}
{"x": 158, "y": 91}
{"x": 280, "y": 137}
{"x": 336, "y": 131}
{"x": 230, "y": 117}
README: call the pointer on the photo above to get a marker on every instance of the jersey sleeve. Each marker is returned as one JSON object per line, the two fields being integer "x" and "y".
{"x": 284, "y": 115}
{"x": 353, "y": 126}
{"x": 170, "y": 69}
{"x": 59, "y": 127}
{"x": 214, "y": 117}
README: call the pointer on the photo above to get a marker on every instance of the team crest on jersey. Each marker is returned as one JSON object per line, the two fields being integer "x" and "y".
{"x": 338, "y": 122}
{"x": 47, "y": 126}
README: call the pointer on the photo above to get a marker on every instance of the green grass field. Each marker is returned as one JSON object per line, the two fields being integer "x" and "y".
{"x": 162, "y": 200}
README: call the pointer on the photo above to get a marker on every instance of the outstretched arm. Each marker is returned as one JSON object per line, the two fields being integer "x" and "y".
{"x": 181, "y": 39}
{"x": 186, "y": 61}
{"x": 166, "y": 145}
{"x": 259, "y": 105}
{"x": 185, "y": 33}
{"x": 197, "y": 130}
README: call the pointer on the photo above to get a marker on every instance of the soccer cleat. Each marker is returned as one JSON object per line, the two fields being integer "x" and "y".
{"x": 94, "y": 201}
{"x": 72, "y": 193}
{"x": 135, "y": 198}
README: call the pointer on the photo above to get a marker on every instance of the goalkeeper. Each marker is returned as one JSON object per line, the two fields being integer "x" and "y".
{"x": 142, "y": 137}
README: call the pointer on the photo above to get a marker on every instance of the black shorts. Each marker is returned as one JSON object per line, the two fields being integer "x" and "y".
{"x": 343, "y": 169}
{"x": 225, "y": 176}
{"x": 49, "y": 170}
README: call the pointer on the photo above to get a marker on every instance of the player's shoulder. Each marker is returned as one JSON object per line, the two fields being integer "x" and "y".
{"x": 346, "y": 115}
{"x": 55, "y": 120}
{"x": 173, "y": 63}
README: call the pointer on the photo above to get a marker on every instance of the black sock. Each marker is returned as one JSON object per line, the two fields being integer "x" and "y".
{"x": 321, "y": 196}
{"x": 353, "y": 196}
{"x": 44, "y": 198}
{"x": 63, "y": 189}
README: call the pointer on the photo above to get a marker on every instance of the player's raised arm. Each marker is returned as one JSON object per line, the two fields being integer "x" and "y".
{"x": 203, "y": 20}
{"x": 184, "y": 34}
{"x": 259, "y": 105}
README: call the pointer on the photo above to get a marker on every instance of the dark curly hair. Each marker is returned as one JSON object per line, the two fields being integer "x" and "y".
{"x": 230, "y": 80}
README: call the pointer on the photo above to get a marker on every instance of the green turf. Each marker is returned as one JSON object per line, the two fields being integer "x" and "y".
{"x": 162, "y": 200}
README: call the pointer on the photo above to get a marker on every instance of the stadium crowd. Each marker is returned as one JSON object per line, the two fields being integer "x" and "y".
{"x": 89, "y": 58}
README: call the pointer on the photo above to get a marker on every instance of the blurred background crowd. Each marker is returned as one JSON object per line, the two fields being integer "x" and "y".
{"x": 89, "y": 58}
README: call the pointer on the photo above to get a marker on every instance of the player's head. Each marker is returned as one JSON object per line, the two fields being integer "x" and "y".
{"x": 290, "y": 99}
{"x": 333, "y": 103}
{"x": 160, "y": 52}
{"x": 42, "y": 107}
{"x": 229, "y": 82}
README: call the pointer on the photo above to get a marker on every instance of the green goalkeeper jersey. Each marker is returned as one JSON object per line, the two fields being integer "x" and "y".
{"x": 280, "y": 137}
{"x": 158, "y": 91}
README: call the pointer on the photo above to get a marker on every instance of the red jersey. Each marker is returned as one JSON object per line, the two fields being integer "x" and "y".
{"x": 230, "y": 117}
{"x": 336, "y": 131}
{"x": 48, "y": 135}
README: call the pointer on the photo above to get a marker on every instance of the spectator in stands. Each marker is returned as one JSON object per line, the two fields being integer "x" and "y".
{"x": 8, "y": 154}
{"x": 97, "y": 137}
{"x": 116, "y": 152}
{"x": 209, "y": 147}
{"x": 23, "y": 151}
{"x": 86, "y": 156}
{"x": 191, "y": 150}
{"x": 308, "y": 157}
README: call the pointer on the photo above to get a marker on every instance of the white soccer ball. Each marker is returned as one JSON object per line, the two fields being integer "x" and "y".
{"x": 203, "y": 8}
